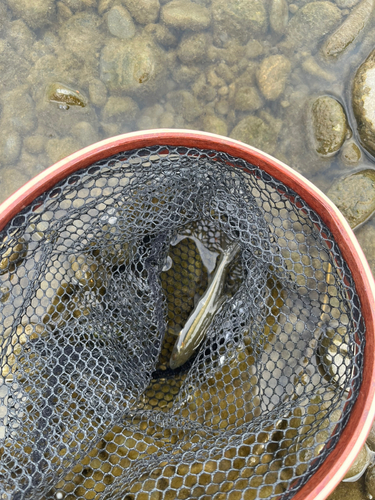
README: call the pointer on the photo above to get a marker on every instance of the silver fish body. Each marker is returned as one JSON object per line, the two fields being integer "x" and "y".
{"x": 191, "y": 336}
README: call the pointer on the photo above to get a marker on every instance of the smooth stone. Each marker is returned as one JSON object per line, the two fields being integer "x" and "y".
{"x": 57, "y": 149}
{"x": 192, "y": 48}
{"x": 10, "y": 146}
{"x": 79, "y": 5}
{"x": 310, "y": 24}
{"x": 35, "y": 13}
{"x": 97, "y": 92}
{"x": 185, "y": 104}
{"x": 363, "y": 100}
{"x": 136, "y": 67}
{"x": 239, "y": 19}
{"x": 370, "y": 481}
{"x": 14, "y": 74}
{"x": 360, "y": 464}
{"x": 143, "y": 11}
{"x": 18, "y": 110}
{"x": 67, "y": 96}
{"x": 279, "y": 16}
{"x": 350, "y": 154}
{"x": 35, "y": 144}
{"x": 149, "y": 117}
{"x": 256, "y": 132}
{"x": 328, "y": 124}
{"x": 347, "y": 34}
{"x": 272, "y": 76}
{"x": 10, "y": 181}
{"x": 346, "y": 4}
{"x": 354, "y": 195}
{"x": 85, "y": 134}
{"x": 247, "y": 99}
{"x": 120, "y": 109}
{"x": 312, "y": 68}
{"x": 166, "y": 120}
{"x": 214, "y": 124}
{"x": 120, "y": 23}
{"x": 254, "y": 49}
{"x": 161, "y": 35}
{"x": 185, "y": 15}
{"x": 183, "y": 74}
{"x": 20, "y": 37}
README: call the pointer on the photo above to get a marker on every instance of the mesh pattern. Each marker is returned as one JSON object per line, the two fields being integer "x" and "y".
{"x": 99, "y": 275}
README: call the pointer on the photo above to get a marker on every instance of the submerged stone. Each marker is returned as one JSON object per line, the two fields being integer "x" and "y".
{"x": 254, "y": 131}
{"x": 121, "y": 109}
{"x": 350, "y": 153}
{"x": 143, "y": 11}
{"x": 363, "y": 99}
{"x": 35, "y": 13}
{"x": 239, "y": 19}
{"x": 120, "y": 23}
{"x": 279, "y": 16}
{"x": 185, "y": 15}
{"x": 327, "y": 120}
{"x": 272, "y": 76}
{"x": 354, "y": 195}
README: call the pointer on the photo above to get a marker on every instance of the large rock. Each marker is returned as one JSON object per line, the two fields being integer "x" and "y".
{"x": 272, "y": 76}
{"x": 355, "y": 196}
{"x": 185, "y": 15}
{"x": 135, "y": 67}
{"x": 35, "y": 13}
{"x": 327, "y": 124}
{"x": 363, "y": 99}
{"x": 143, "y": 11}
{"x": 311, "y": 23}
{"x": 240, "y": 19}
{"x": 254, "y": 131}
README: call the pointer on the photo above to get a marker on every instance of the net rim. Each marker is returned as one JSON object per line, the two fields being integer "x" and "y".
{"x": 330, "y": 473}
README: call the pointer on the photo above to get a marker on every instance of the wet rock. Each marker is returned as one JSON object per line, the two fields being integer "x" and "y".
{"x": 63, "y": 12}
{"x": 239, "y": 19}
{"x": 120, "y": 109}
{"x": 254, "y": 49}
{"x": 272, "y": 76}
{"x": 352, "y": 491}
{"x": 14, "y": 74}
{"x": 214, "y": 124}
{"x": 81, "y": 35}
{"x": 346, "y": 4}
{"x": 247, "y": 99}
{"x": 136, "y": 67}
{"x": 161, "y": 35}
{"x": 370, "y": 481}
{"x": 312, "y": 68}
{"x": 66, "y": 96}
{"x": 192, "y": 48}
{"x": 310, "y": 24}
{"x": 185, "y": 104}
{"x": 185, "y": 15}
{"x": 20, "y": 37}
{"x": 80, "y": 5}
{"x": 10, "y": 181}
{"x": 120, "y": 23}
{"x": 36, "y": 13}
{"x": 57, "y": 149}
{"x": 18, "y": 110}
{"x": 10, "y": 146}
{"x": 166, "y": 120}
{"x": 185, "y": 74}
{"x": 35, "y": 144}
{"x": 350, "y": 154}
{"x": 359, "y": 465}
{"x": 143, "y": 11}
{"x": 347, "y": 34}
{"x": 363, "y": 100}
{"x": 254, "y": 131}
{"x": 327, "y": 123}
{"x": 97, "y": 92}
{"x": 149, "y": 117}
{"x": 85, "y": 134}
{"x": 279, "y": 16}
{"x": 354, "y": 195}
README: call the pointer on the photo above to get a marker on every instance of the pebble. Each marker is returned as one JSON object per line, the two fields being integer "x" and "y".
{"x": 143, "y": 11}
{"x": 348, "y": 491}
{"x": 84, "y": 133}
{"x": 328, "y": 123}
{"x": 166, "y": 120}
{"x": 20, "y": 37}
{"x": 370, "y": 481}
{"x": 11, "y": 180}
{"x": 120, "y": 23}
{"x": 310, "y": 24}
{"x": 192, "y": 48}
{"x": 366, "y": 238}
{"x": 97, "y": 92}
{"x": 121, "y": 109}
{"x": 186, "y": 104}
{"x": 18, "y": 110}
{"x": 354, "y": 195}
{"x": 57, "y": 149}
{"x": 360, "y": 464}
{"x": 312, "y": 68}
{"x": 34, "y": 144}
{"x": 185, "y": 15}
{"x": 239, "y": 19}
{"x": 279, "y": 16}
{"x": 10, "y": 146}
{"x": 35, "y": 13}
{"x": 272, "y": 76}
{"x": 350, "y": 154}
{"x": 214, "y": 124}
{"x": 136, "y": 67}
{"x": 247, "y": 99}
{"x": 363, "y": 101}
{"x": 345, "y": 36}
{"x": 79, "y": 5}
{"x": 254, "y": 131}
{"x": 161, "y": 34}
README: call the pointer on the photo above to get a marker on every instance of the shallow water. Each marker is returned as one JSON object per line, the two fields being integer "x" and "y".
{"x": 196, "y": 66}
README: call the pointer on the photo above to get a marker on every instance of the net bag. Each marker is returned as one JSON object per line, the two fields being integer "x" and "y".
{"x": 100, "y": 273}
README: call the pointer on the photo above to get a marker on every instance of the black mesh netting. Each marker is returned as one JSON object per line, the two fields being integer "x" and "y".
{"x": 97, "y": 278}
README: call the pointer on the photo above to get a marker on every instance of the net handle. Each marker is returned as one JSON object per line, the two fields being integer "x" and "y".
{"x": 323, "y": 482}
